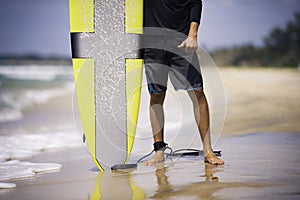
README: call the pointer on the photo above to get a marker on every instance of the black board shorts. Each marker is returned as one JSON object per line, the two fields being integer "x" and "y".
{"x": 163, "y": 59}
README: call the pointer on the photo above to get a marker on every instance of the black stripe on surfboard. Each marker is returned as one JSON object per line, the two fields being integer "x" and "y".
{"x": 75, "y": 45}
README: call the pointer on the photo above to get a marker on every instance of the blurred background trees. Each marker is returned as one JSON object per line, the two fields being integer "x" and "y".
{"x": 281, "y": 47}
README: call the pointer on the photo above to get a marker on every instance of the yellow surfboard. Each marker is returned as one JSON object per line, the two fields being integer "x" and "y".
{"x": 105, "y": 38}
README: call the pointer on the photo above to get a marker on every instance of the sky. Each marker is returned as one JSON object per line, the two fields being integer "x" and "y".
{"x": 42, "y": 26}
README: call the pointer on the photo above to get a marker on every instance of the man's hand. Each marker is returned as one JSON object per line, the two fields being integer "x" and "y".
{"x": 190, "y": 44}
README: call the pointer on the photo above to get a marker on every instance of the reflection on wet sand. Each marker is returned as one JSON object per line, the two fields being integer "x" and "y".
{"x": 163, "y": 185}
{"x": 165, "y": 190}
{"x": 116, "y": 185}
{"x": 122, "y": 184}
{"x": 204, "y": 186}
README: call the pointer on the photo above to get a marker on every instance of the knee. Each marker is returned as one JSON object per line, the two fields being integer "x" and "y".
{"x": 200, "y": 94}
{"x": 157, "y": 99}
{"x": 197, "y": 96}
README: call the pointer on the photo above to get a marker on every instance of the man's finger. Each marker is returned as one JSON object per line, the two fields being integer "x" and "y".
{"x": 181, "y": 45}
{"x": 187, "y": 50}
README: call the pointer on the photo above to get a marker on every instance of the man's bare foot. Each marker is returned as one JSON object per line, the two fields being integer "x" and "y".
{"x": 212, "y": 159}
{"x": 158, "y": 157}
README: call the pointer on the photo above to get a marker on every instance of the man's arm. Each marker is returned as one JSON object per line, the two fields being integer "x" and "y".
{"x": 193, "y": 33}
{"x": 190, "y": 43}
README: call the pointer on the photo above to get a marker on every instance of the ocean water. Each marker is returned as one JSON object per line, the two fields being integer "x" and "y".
{"x": 23, "y": 88}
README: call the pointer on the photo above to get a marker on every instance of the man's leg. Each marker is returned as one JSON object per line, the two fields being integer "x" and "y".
{"x": 157, "y": 120}
{"x": 201, "y": 112}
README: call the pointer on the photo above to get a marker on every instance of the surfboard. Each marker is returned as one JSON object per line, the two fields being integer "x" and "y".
{"x": 105, "y": 41}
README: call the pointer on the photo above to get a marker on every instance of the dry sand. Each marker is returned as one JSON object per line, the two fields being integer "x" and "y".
{"x": 258, "y": 166}
{"x": 261, "y": 100}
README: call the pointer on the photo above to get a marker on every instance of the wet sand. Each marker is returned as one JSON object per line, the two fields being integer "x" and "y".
{"x": 262, "y": 165}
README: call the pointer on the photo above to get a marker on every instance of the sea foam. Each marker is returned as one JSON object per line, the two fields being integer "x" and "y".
{"x": 18, "y": 147}
{"x": 22, "y": 146}
{"x": 24, "y": 86}
{"x": 16, "y": 169}
{"x": 36, "y": 72}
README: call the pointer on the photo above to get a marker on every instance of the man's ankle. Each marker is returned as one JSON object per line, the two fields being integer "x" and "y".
{"x": 207, "y": 151}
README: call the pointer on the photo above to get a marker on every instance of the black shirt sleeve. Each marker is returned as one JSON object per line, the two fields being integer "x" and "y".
{"x": 196, "y": 10}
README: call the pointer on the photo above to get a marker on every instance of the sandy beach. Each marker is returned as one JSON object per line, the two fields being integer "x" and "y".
{"x": 259, "y": 144}
{"x": 261, "y": 100}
